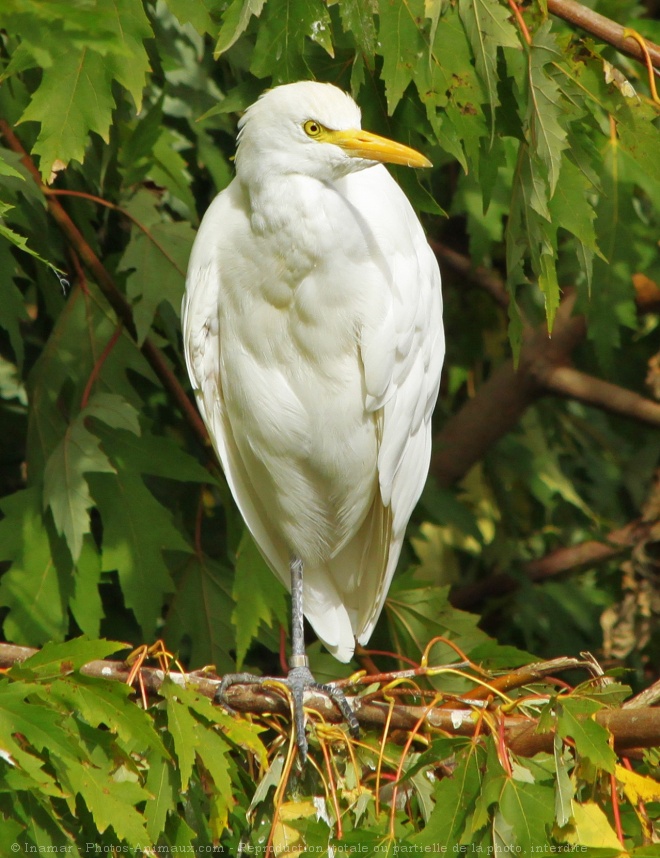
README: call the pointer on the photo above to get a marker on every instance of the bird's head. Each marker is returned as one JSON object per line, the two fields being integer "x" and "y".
{"x": 311, "y": 129}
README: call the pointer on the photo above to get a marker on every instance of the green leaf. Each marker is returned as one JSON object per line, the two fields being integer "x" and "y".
{"x": 530, "y": 231}
{"x": 591, "y": 740}
{"x": 564, "y": 789}
{"x": 453, "y": 94}
{"x": 109, "y": 703}
{"x": 284, "y": 29}
{"x": 163, "y": 252}
{"x": 640, "y": 135}
{"x": 161, "y": 783}
{"x": 257, "y": 594}
{"x": 111, "y": 802}
{"x": 454, "y": 798}
{"x": 543, "y": 129}
{"x": 495, "y": 656}
{"x": 357, "y": 18}
{"x": 128, "y": 60}
{"x": 37, "y": 586}
{"x": 528, "y": 810}
{"x": 401, "y": 44}
{"x": 136, "y": 531}
{"x": 213, "y": 751}
{"x": 85, "y": 603}
{"x": 419, "y": 612}
{"x": 65, "y": 488}
{"x": 195, "y": 12}
{"x": 85, "y": 328}
{"x": 10, "y": 832}
{"x": 606, "y": 693}
{"x": 488, "y": 27}
{"x": 237, "y": 730}
{"x": 192, "y": 737}
{"x": 234, "y": 23}
{"x": 202, "y": 602}
{"x": 570, "y": 207}
{"x": 114, "y": 411}
{"x": 151, "y": 454}
{"x": 17, "y": 240}
{"x": 169, "y": 169}
{"x": 615, "y": 228}
{"x": 493, "y": 783}
{"x": 55, "y": 659}
{"x": 39, "y": 725}
{"x": 182, "y": 726}
{"x": 73, "y": 99}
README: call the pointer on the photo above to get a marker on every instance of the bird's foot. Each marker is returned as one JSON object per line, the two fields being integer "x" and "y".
{"x": 299, "y": 680}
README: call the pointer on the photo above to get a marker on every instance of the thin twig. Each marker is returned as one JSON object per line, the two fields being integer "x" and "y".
{"x": 521, "y": 21}
{"x": 61, "y": 192}
{"x": 603, "y": 28}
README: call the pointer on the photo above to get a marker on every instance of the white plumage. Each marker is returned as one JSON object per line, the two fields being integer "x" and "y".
{"x": 312, "y": 326}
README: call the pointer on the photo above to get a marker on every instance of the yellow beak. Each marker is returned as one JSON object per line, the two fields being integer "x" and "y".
{"x": 363, "y": 144}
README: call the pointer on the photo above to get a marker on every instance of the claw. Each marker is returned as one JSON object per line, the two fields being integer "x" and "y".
{"x": 299, "y": 680}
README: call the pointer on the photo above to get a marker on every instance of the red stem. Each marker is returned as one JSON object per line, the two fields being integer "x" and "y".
{"x": 96, "y": 369}
{"x": 615, "y": 809}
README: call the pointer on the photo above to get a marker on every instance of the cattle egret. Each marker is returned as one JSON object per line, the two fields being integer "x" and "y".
{"x": 312, "y": 325}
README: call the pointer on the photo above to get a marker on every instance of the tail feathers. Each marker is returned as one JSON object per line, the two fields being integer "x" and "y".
{"x": 343, "y": 598}
{"x": 324, "y": 608}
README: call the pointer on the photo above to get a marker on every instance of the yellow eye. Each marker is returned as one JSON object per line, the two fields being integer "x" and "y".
{"x": 312, "y": 128}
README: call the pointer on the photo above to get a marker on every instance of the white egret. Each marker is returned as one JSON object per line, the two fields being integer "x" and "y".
{"x": 312, "y": 325}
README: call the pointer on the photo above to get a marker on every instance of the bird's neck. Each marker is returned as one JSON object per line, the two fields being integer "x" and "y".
{"x": 288, "y": 203}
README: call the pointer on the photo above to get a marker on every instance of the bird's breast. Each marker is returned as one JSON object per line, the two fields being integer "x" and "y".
{"x": 307, "y": 278}
{"x": 292, "y": 376}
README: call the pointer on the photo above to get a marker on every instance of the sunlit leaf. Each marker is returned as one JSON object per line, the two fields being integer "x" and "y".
{"x": 74, "y": 99}
{"x": 591, "y": 740}
{"x": 591, "y": 828}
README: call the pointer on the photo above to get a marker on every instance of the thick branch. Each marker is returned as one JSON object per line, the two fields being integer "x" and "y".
{"x": 500, "y": 403}
{"x": 557, "y": 562}
{"x": 113, "y": 295}
{"x": 572, "y": 384}
{"x": 544, "y": 369}
{"x": 603, "y": 28}
{"x": 636, "y": 727}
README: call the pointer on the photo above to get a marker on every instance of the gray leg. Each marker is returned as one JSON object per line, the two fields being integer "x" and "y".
{"x": 298, "y": 656}
{"x": 300, "y": 677}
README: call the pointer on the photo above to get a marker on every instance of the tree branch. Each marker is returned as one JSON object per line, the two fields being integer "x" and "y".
{"x": 557, "y": 562}
{"x": 501, "y": 401}
{"x": 603, "y": 28}
{"x": 570, "y": 383}
{"x": 635, "y": 727}
{"x": 543, "y": 369}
